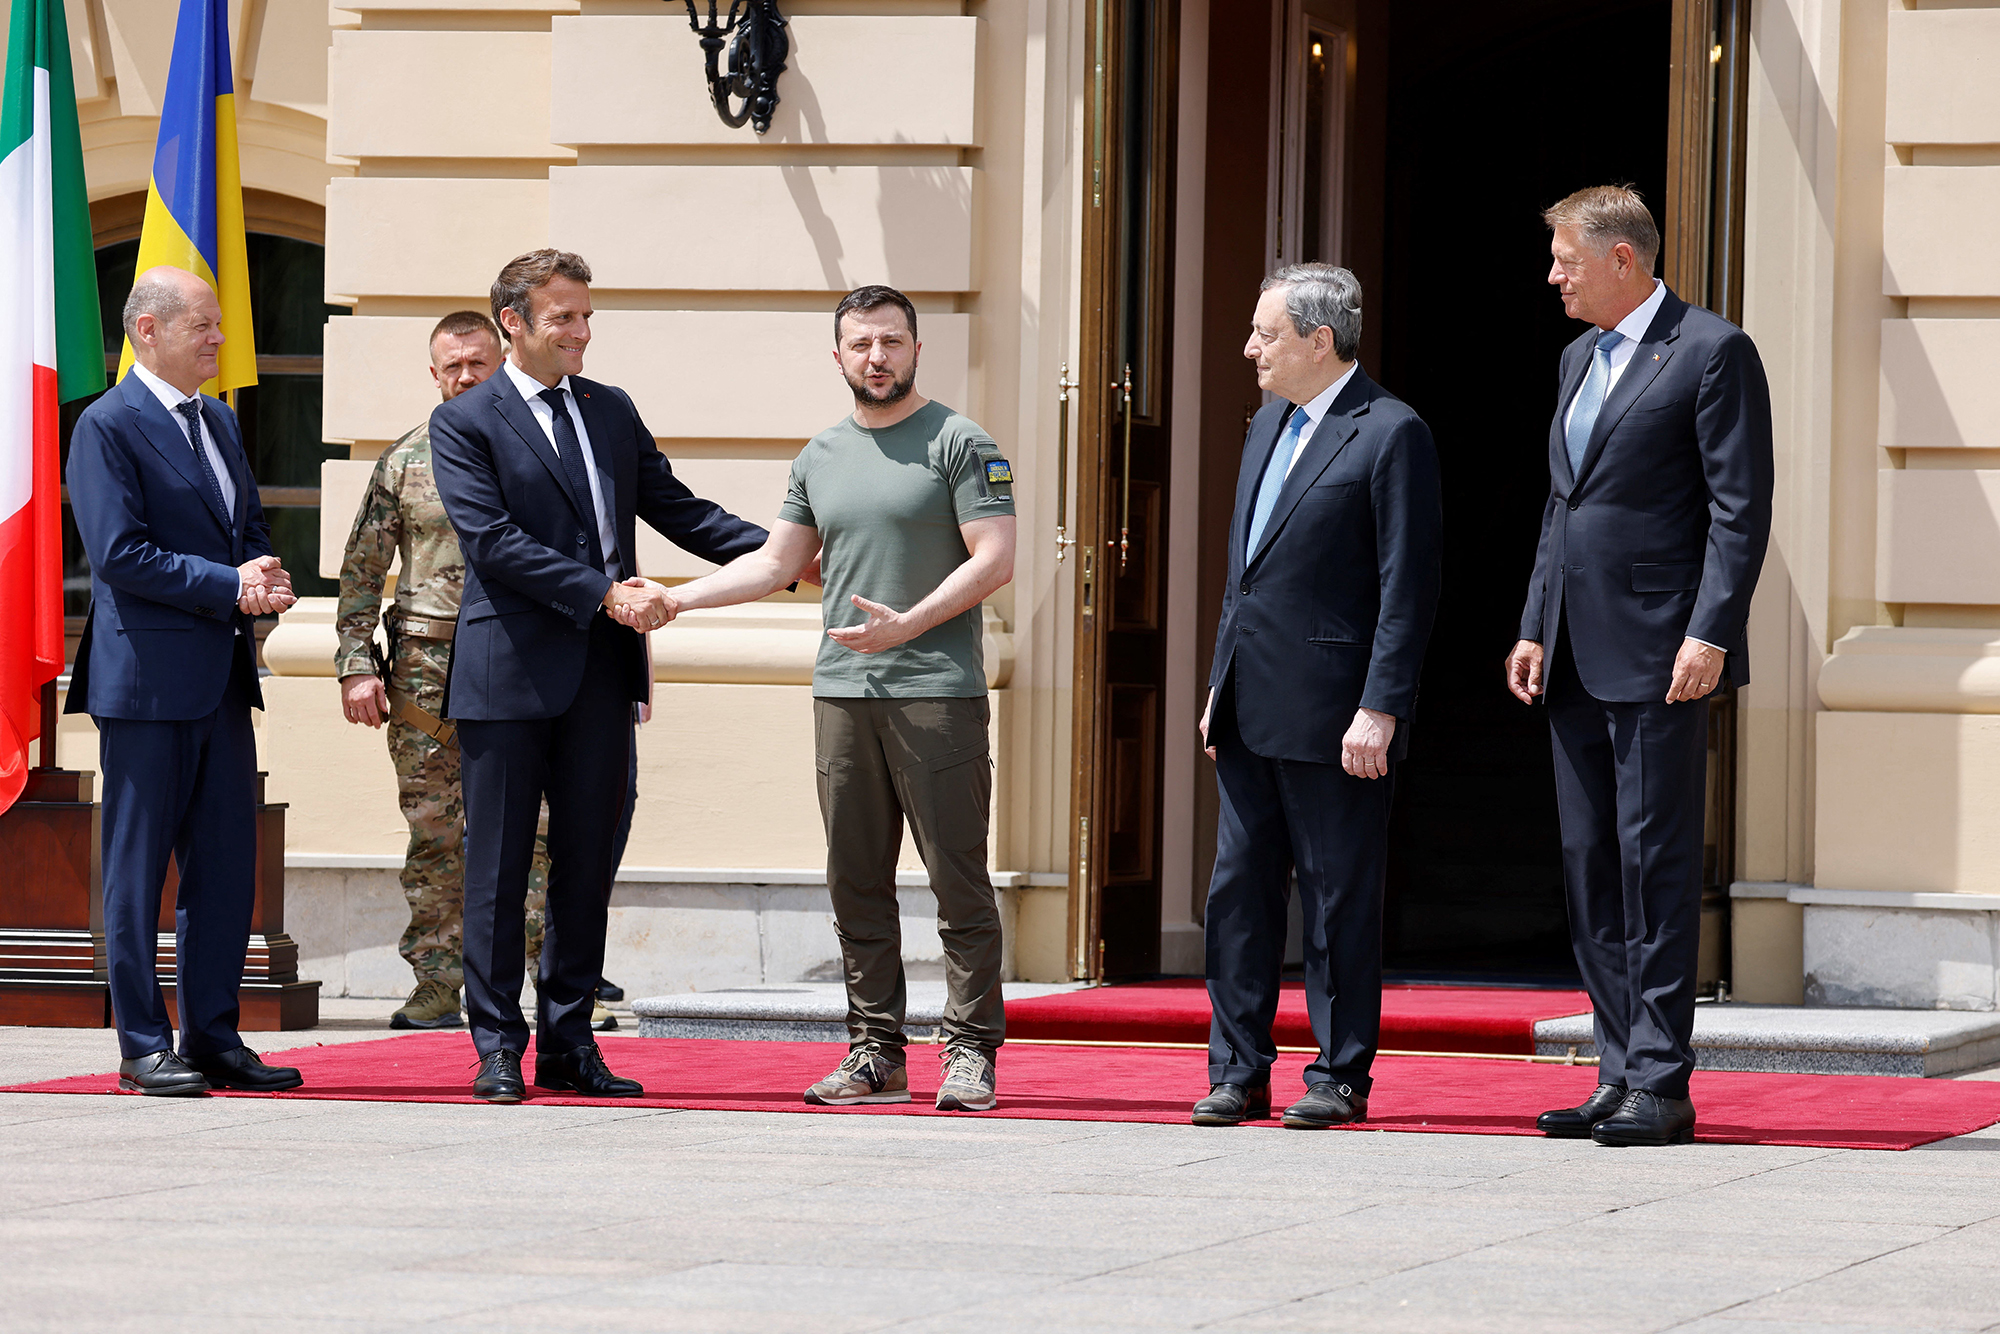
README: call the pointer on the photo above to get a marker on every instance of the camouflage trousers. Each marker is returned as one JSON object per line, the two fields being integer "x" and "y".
{"x": 433, "y": 804}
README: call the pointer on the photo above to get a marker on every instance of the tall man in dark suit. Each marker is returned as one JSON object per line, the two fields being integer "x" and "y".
{"x": 542, "y": 473}
{"x": 1333, "y": 584}
{"x": 180, "y": 559}
{"x": 1659, "y": 510}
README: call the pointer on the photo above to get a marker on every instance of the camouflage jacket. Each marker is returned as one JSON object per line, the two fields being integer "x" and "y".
{"x": 401, "y": 513}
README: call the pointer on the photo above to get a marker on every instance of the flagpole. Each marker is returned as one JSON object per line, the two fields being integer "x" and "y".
{"x": 48, "y": 726}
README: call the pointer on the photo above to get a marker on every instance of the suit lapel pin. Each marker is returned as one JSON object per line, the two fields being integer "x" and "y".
{"x": 1656, "y": 357}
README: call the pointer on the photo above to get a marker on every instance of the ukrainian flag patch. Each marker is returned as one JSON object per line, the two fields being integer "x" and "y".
{"x": 998, "y": 470}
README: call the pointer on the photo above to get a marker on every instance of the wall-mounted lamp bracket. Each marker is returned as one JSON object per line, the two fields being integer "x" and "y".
{"x": 755, "y": 34}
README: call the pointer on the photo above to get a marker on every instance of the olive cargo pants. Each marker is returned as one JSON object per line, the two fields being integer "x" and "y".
{"x": 879, "y": 761}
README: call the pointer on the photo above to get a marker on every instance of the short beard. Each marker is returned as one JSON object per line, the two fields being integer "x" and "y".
{"x": 897, "y": 391}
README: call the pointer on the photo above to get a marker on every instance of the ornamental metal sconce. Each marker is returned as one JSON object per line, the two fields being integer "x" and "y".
{"x": 757, "y": 50}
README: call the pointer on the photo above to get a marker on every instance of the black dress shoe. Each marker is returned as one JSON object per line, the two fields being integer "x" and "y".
{"x": 162, "y": 1074}
{"x": 1647, "y": 1118}
{"x": 1326, "y": 1104}
{"x": 1575, "y": 1122}
{"x": 609, "y": 990}
{"x": 240, "y": 1069}
{"x": 1233, "y": 1104}
{"x": 582, "y": 1070}
{"x": 499, "y": 1077}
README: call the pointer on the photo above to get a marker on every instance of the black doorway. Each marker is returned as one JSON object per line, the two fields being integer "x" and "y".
{"x": 1489, "y": 122}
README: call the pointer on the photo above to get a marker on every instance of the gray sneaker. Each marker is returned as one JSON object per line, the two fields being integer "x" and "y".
{"x": 969, "y": 1080}
{"x": 867, "y": 1075}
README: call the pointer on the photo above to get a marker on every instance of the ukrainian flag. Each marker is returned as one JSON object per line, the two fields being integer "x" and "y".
{"x": 194, "y": 207}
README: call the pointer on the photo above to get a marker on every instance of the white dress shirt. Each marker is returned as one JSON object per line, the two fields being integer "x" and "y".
{"x": 1634, "y": 328}
{"x": 1316, "y": 413}
{"x": 531, "y": 389}
{"x": 171, "y": 399}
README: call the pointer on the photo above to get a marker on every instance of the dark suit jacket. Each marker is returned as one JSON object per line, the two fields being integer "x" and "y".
{"x": 1660, "y": 535}
{"x": 161, "y": 636}
{"x": 524, "y": 624}
{"x": 1333, "y": 611}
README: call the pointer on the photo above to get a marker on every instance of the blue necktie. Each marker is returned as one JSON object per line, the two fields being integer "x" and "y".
{"x": 1274, "y": 479}
{"x": 1590, "y": 398}
{"x": 190, "y": 410}
{"x": 570, "y": 450}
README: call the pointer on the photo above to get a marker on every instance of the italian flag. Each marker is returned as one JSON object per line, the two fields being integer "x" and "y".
{"x": 51, "y": 350}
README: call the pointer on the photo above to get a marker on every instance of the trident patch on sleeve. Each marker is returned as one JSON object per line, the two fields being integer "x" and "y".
{"x": 997, "y": 471}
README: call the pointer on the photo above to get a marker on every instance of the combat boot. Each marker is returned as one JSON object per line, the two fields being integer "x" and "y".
{"x": 432, "y": 1005}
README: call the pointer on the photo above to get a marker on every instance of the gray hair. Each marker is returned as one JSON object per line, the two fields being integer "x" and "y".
{"x": 1322, "y": 296}
{"x": 162, "y": 298}
{"x": 1605, "y": 215}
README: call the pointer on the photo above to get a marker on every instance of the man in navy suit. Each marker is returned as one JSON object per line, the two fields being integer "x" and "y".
{"x": 1333, "y": 585}
{"x": 180, "y": 560}
{"x": 1659, "y": 510}
{"x": 543, "y": 474}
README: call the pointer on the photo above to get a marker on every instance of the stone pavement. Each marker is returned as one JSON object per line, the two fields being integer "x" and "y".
{"x": 238, "y": 1214}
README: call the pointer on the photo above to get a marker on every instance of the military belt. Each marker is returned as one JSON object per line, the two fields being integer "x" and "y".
{"x": 426, "y": 627}
{"x": 443, "y": 732}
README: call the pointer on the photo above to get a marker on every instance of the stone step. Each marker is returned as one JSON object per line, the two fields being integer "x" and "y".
{"x": 796, "y": 1011}
{"x": 1816, "y": 1041}
{"x": 1732, "y": 1036}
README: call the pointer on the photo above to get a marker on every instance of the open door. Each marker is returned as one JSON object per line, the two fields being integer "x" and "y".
{"x": 1123, "y": 459}
{"x": 1702, "y": 260}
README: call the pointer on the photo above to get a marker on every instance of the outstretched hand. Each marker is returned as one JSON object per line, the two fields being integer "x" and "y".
{"x": 641, "y": 604}
{"x": 884, "y": 629}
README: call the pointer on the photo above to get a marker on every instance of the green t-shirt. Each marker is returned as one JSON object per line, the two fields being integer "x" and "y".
{"x": 888, "y": 505}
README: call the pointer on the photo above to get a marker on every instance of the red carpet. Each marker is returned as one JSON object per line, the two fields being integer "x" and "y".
{"x": 1442, "y": 1019}
{"x": 1434, "y": 1094}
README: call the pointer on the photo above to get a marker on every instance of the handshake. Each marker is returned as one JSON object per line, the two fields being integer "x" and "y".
{"x": 641, "y": 604}
{"x": 266, "y": 587}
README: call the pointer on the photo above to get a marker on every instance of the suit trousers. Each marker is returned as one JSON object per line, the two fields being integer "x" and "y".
{"x": 882, "y": 761}
{"x": 1630, "y": 793}
{"x": 1333, "y": 828}
{"x": 185, "y": 790}
{"x": 580, "y": 760}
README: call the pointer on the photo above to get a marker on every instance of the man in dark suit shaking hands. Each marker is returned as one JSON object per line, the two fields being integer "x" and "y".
{"x": 180, "y": 560}
{"x": 1659, "y": 510}
{"x": 543, "y": 474}
{"x": 1333, "y": 584}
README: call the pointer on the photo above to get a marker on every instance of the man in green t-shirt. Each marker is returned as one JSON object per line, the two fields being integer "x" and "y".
{"x": 910, "y": 508}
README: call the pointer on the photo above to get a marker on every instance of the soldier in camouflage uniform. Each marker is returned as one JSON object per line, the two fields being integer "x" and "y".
{"x": 401, "y": 513}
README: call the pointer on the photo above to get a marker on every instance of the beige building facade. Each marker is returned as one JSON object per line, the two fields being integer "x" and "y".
{"x": 1068, "y": 188}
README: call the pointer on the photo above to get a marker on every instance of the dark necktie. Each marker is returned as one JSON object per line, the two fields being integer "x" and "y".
{"x": 190, "y": 410}
{"x": 570, "y": 449}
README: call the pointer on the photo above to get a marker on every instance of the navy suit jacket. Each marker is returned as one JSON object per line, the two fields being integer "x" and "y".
{"x": 530, "y": 591}
{"x": 1659, "y": 536}
{"x": 162, "y": 633}
{"x": 1332, "y": 612}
